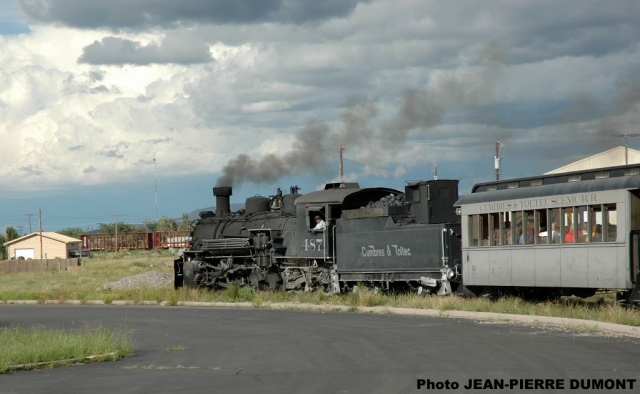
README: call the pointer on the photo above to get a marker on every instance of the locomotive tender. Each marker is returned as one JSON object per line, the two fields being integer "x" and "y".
{"x": 272, "y": 244}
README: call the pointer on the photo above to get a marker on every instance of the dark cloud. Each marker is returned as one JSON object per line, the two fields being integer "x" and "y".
{"x": 419, "y": 111}
{"x": 97, "y": 75}
{"x": 114, "y": 151}
{"x": 76, "y": 148}
{"x": 114, "y": 50}
{"x": 99, "y": 89}
{"x": 89, "y": 170}
{"x": 448, "y": 93}
{"x": 157, "y": 141}
{"x": 138, "y": 14}
{"x": 31, "y": 170}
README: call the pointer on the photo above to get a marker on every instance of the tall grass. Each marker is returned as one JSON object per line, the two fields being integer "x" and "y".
{"x": 32, "y": 346}
{"x": 107, "y": 267}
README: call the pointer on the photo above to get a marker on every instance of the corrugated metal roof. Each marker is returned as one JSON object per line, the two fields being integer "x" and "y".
{"x": 609, "y": 158}
{"x": 596, "y": 185}
{"x": 46, "y": 234}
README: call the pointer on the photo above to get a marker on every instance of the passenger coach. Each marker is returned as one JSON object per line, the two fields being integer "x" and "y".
{"x": 561, "y": 234}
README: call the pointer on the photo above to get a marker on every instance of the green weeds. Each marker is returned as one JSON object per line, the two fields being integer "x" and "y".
{"x": 29, "y": 348}
{"x": 104, "y": 268}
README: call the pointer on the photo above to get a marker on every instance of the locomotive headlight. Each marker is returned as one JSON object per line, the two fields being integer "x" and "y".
{"x": 450, "y": 274}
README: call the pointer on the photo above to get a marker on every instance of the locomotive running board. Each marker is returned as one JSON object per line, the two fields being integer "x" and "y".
{"x": 225, "y": 244}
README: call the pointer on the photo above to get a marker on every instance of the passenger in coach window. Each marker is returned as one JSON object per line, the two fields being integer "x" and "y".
{"x": 507, "y": 236}
{"x": 555, "y": 232}
{"x": 518, "y": 234}
{"x": 583, "y": 235}
{"x": 530, "y": 235}
{"x": 543, "y": 235}
{"x": 568, "y": 238}
{"x": 596, "y": 236}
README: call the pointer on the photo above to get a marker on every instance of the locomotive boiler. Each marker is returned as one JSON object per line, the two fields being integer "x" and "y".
{"x": 376, "y": 236}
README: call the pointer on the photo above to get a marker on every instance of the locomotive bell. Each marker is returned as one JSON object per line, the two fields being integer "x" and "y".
{"x": 223, "y": 205}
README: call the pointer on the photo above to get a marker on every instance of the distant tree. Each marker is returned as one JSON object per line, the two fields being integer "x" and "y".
{"x": 110, "y": 228}
{"x": 74, "y": 232}
{"x": 166, "y": 223}
{"x": 151, "y": 226}
{"x": 11, "y": 233}
{"x": 184, "y": 224}
{"x": 3, "y": 249}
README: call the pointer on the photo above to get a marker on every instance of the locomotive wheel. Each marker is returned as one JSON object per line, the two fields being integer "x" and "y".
{"x": 275, "y": 281}
{"x": 258, "y": 280}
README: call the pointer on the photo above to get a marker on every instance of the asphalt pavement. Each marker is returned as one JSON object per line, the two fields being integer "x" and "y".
{"x": 213, "y": 350}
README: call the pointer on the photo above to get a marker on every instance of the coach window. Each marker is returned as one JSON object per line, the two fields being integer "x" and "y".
{"x": 542, "y": 227}
{"x": 517, "y": 229}
{"x": 582, "y": 216}
{"x": 495, "y": 220}
{"x": 484, "y": 229}
{"x": 528, "y": 236}
{"x": 595, "y": 215}
{"x": 474, "y": 221}
{"x": 610, "y": 218}
{"x": 555, "y": 229}
{"x": 505, "y": 220}
{"x": 568, "y": 225}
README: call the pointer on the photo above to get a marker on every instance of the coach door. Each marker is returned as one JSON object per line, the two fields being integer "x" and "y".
{"x": 635, "y": 254}
{"x": 634, "y": 262}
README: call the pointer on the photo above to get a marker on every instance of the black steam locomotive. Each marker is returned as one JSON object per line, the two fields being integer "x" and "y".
{"x": 376, "y": 236}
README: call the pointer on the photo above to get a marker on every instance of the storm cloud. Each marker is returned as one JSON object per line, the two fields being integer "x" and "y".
{"x": 114, "y": 50}
{"x": 139, "y": 14}
{"x": 257, "y": 92}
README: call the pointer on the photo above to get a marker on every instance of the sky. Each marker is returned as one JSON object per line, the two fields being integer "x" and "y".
{"x": 139, "y": 108}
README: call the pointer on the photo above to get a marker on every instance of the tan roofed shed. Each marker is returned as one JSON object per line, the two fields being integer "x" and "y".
{"x": 54, "y": 246}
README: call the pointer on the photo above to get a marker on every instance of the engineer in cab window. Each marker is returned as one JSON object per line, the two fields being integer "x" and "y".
{"x": 320, "y": 224}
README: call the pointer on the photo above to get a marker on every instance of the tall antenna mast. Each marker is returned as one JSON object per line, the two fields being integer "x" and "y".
{"x": 497, "y": 159}
{"x": 341, "y": 167}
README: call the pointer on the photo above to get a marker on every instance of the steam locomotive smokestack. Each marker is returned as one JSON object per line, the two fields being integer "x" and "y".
{"x": 223, "y": 206}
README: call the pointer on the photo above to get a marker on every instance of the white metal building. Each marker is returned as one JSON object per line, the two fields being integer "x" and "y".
{"x": 618, "y": 156}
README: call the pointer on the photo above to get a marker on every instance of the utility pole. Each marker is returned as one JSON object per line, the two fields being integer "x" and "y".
{"x": 497, "y": 159}
{"x": 40, "y": 219}
{"x": 626, "y": 144}
{"x": 341, "y": 167}
{"x": 29, "y": 215}
{"x": 116, "y": 216}
{"x": 155, "y": 176}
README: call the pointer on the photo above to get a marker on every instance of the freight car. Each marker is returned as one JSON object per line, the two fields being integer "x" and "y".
{"x": 395, "y": 243}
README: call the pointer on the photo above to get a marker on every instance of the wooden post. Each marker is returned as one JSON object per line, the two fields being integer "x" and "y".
{"x": 40, "y": 218}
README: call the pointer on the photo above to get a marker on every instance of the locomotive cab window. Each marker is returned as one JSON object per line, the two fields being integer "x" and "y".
{"x": 316, "y": 219}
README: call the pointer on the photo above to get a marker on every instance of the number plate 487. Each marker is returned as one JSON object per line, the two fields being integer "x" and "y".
{"x": 312, "y": 245}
